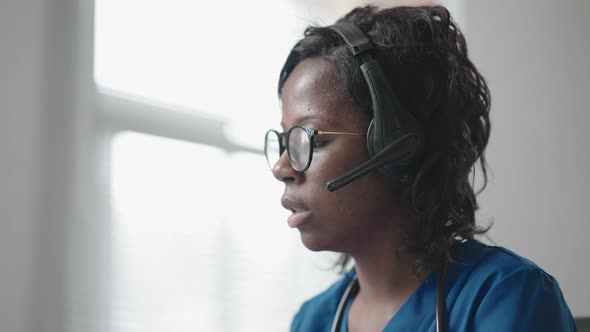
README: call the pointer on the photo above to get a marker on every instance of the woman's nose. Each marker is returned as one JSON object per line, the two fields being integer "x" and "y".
{"x": 283, "y": 171}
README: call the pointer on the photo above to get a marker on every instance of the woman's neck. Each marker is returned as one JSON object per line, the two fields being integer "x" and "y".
{"x": 386, "y": 282}
{"x": 386, "y": 276}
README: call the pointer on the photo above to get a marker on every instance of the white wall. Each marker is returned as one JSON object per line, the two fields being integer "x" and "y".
{"x": 534, "y": 55}
{"x": 21, "y": 102}
{"x": 39, "y": 124}
{"x": 535, "y": 62}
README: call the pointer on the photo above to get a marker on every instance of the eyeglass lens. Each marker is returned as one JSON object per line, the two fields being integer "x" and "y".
{"x": 298, "y": 148}
{"x": 272, "y": 148}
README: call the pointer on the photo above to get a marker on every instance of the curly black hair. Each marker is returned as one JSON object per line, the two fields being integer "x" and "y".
{"x": 424, "y": 56}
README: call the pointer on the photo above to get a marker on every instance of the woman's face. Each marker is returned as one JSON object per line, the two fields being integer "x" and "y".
{"x": 359, "y": 212}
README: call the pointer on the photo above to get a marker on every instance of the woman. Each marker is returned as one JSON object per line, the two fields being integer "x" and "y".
{"x": 384, "y": 117}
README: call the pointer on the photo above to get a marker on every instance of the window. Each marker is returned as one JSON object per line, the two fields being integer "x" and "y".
{"x": 195, "y": 247}
{"x": 198, "y": 238}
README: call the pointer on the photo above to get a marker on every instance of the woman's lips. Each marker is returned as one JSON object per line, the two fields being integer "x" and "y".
{"x": 297, "y": 218}
{"x": 300, "y": 213}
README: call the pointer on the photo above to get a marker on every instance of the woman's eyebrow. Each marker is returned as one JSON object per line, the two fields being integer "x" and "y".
{"x": 308, "y": 117}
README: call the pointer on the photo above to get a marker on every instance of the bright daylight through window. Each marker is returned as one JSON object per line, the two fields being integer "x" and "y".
{"x": 199, "y": 240}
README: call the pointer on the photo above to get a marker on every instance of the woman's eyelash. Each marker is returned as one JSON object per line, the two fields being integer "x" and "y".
{"x": 318, "y": 144}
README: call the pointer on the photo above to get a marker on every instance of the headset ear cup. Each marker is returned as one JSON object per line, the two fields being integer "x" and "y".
{"x": 399, "y": 168}
{"x": 386, "y": 169}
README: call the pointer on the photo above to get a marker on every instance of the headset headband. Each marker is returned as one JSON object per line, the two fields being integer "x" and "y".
{"x": 353, "y": 36}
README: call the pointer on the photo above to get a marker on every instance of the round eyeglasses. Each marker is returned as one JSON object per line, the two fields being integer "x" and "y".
{"x": 298, "y": 141}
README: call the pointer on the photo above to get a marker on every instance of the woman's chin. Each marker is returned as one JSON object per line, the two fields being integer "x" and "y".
{"x": 315, "y": 242}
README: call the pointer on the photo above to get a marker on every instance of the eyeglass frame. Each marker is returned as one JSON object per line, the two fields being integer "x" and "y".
{"x": 311, "y": 133}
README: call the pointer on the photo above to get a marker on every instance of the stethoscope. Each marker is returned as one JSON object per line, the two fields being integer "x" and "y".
{"x": 353, "y": 288}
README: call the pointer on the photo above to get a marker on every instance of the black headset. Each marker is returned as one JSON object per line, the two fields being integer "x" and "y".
{"x": 394, "y": 141}
{"x": 394, "y": 137}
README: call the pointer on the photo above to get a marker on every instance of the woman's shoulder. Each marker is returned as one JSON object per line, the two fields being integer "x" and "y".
{"x": 483, "y": 268}
{"x": 473, "y": 256}
{"x": 317, "y": 313}
{"x": 497, "y": 286}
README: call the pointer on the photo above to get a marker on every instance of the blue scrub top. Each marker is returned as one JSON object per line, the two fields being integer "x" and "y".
{"x": 487, "y": 289}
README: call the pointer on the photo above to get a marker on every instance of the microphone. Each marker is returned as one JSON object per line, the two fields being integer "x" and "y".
{"x": 399, "y": 149}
